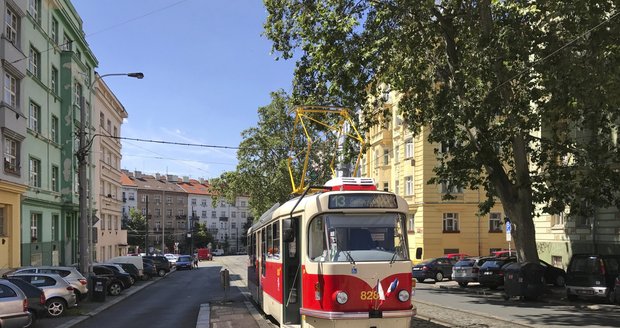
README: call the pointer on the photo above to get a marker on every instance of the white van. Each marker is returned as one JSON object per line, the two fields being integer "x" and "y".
{"x": 135, "y": 260}
{"x": 218, "y": 252}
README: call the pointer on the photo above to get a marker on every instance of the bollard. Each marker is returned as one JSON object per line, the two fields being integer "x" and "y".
{"x": 225, "y": 282}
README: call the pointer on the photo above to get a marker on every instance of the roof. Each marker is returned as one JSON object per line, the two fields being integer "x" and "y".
{"x": 126, "y": 181}
{"x": 152, "y": 184}
{"x": 195, "y": 187}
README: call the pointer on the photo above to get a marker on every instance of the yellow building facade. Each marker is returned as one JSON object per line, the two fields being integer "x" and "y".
{"x": 403, "y": 163}
{"x": 10, "y": 234}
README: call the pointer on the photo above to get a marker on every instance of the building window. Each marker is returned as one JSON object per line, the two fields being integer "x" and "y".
{"x": 233, "y": 214}
{"x": 193, "y": 201}
{"x": 386, "y": 157}
{"x": 35, "y": 222}
{"x": 495, "y": 221}
{"x": 101, "y": 120}
{"x": 396, "y": 154}
{"x": 109, "y": 222}
{"x": 243, "y": 215}
{"x": 10, "y": 90}
{"x": 386, "y": 186}
{"x": 450, "y": 222}
{"x": 34, "y": 120}
{"x": 556, "y": 261}
{"x": 54, "y": 30}
{"x": 180, "y": 212}
{"x": 35, "y": 172}
{"x": 447, "y": 188}
{"x": 158, "y": 212}
{"x": 408, "y": 186}
{"x": 55, "y": 225}
{"x": 143, "y": 198}
{"x": 223, "y": 214}
{"x": 109, "y": 127}
{"x": 411, "y": 223}
{"x": 55, "y": 173}
{"x": 396, "y": 186}
{"x": 11, "y": 155}
{"x": 558, "y": 220}
{"x": 77, "y": 94}
{"x": 203, "y": 202}
{"x": 11, "y": 25}
{"x": 66, "y": 43}
{"x": 204, "y": 214}
{"x": 169, "y": 212}
{"x": 2, "y": 222}
{"x": 115, "y": 133}
{"x": 34, "y": 62}
{"x": 242, "y": 203}
{"x": 131, "y": 196}
{"x": 168, "y": 200}
{"x": 54, "y": 129}
{"x": 34, "y": 9}
{"x": 54, "y": 81}
{"x": 409, "y": 148}
{"x": 213, "y": 214}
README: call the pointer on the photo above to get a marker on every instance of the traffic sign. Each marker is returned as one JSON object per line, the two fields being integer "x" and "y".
{"x": 508, "y": 231}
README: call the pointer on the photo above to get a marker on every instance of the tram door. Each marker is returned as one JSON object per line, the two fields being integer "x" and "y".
{"x": 292, "y": 273}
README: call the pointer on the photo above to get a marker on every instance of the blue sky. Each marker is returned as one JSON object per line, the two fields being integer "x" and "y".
{"x": 206, "y": 69}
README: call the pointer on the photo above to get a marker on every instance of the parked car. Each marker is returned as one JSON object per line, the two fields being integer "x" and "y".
{"x": 592, "y": 276}
{"x": 135, "y": 260}
{"x": 59, "y": 294}
{"x": 217, "y": 252}
{"x": 171, "y": 258}
{"x": 185, "y": 262}
{"x": 132, "y": 270}
{"x": 504, "y": 253}
{"x": 553, "y": 275}
{"x": 71, "y": 274}
{"x": 491, "y": 273}
{"x": 435, "y": 268}
{"x": 161, "y": 264}
{"x": 617, "y": 290}
{"x": 456, "y": 256}
{"x": 466, "y": 270}
{"x": 120, "y": 274}
{"x": 115, "y": 287}
{"x": 13, "y": 306}
{"x": 36, "y": 299}
{"x": 150, "y": 270}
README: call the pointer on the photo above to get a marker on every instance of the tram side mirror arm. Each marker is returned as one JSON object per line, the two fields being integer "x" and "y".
{"x": 288, "y": 231}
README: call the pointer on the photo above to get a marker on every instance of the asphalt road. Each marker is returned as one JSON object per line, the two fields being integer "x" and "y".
{"x": 172, "y": 302}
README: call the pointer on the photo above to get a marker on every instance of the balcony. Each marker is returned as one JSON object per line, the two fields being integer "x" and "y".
{"x": 383, "y": 137}
{"x": 181, "y": 217}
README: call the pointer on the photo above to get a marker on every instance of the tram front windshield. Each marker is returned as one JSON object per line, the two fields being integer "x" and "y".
{"x": 357, "y": 238}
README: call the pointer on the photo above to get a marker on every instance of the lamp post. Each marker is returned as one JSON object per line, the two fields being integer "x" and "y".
{"x": 85, "y": 221}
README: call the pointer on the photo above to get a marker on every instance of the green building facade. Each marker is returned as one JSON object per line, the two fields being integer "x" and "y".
{"x": 60, "y": 66}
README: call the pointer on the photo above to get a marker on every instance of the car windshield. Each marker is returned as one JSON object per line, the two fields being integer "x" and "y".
{"x": 184, "y": 259}
{"x": 465, "y": 263}
{"x": 357, "y": 238}
{"x": 493, "y": 264}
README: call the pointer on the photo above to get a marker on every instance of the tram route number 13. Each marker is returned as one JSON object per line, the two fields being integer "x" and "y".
{"x": 369, "y": 295}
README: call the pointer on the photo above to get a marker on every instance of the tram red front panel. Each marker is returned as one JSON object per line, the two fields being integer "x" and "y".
{"x": 362, "y": 296}
{"x": 272, "y": 281}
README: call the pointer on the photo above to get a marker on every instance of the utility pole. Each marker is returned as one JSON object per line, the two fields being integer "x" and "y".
{"x": 83, "y": 225}
{"x": 146, "y": 226}
{"x": 191, "y": 246}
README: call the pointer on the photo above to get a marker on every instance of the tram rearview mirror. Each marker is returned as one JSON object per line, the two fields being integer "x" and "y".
{"x": 288, "y": 233}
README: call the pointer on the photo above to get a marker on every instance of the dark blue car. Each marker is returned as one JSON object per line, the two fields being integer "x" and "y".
{"x": 185, "y": 262}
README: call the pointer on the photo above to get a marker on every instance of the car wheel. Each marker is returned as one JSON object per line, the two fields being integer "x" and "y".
{"x": 132, "y": 280}
{"x": 420, "y": 279}
{"x": 438, "y": 276}
{"x": 161, "y": 272}
{"x": 560, "y": 281}
{"x": 55, "y": 307}
{"x": 33, "y": 319}
{"x": 611, "y": 297}
{"x": 463, "y": 283}
{"x": 115, "y": 288}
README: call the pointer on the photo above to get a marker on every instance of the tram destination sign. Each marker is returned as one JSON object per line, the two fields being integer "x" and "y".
{"x": 366, "y": 200}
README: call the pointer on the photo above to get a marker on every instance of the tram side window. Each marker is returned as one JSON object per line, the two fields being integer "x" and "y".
{"x": 317, "y": 247}
{"x": 263, "y": 241}
{"x": 269, "y": 241}
{"x": 275, "y": 246}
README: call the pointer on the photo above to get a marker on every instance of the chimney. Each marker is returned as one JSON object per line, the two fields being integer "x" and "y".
{"x": 185, "y": 179}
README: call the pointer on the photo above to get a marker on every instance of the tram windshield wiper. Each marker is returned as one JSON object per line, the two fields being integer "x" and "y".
{"x": 393, "y": 256}
{"x": 349, "y": 257}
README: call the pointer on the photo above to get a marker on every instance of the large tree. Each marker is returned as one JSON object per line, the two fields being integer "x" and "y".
{"x": 525, "y": 93}
{"x": 135, "y": 224}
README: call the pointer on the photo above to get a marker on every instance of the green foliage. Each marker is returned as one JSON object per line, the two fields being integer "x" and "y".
{"x": 513, "y": 87}
{"x": 135, "y": 225}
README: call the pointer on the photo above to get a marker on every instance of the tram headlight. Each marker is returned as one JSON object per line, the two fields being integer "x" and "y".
{"x": 341, "y": 297}
{"x": 403, "y": 296}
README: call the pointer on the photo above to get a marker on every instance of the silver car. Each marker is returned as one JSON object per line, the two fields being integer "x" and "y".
{"x": 466, "y": 270}
{"x": 58, "y": 292}
{"x": 13, "y": 306}
{"x": 71, "y": 274}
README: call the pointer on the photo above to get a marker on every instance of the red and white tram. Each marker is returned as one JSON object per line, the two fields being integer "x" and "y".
{"x": 335, "y": 258}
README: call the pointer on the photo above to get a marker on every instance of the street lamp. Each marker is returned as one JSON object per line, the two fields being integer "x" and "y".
{"x": 85, "y": 221}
